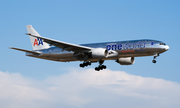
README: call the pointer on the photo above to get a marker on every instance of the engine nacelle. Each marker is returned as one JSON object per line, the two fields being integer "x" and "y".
{"x": 126, "y": 61}
{"x": 99, "y": 53}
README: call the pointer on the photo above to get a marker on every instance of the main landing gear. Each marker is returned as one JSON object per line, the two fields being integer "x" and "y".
{"x": 156, "y": 55}
{"x": 85, "y": 64}
{"x": 88, "y": 63}
{"x": 100, "y": 67}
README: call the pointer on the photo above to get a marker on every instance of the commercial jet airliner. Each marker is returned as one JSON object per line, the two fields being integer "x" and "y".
{"x": 123, "y": 52}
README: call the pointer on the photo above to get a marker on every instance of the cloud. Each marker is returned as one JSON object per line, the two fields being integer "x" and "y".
{"x": 88, "y": 88}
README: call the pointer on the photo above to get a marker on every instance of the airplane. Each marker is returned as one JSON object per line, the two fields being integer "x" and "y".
{"x": 122, "y": 52}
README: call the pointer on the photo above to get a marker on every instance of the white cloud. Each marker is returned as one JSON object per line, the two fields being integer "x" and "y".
{"x": 88, "y": 88}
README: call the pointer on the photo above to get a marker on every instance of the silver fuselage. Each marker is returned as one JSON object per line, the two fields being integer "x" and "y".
{"x": 134, "y": 48}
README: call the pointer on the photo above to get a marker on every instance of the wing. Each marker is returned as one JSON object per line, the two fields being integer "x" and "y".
{"x": 63, "y": 45}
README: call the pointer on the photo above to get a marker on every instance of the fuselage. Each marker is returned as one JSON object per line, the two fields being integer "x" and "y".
{"x": 133, "y": 48}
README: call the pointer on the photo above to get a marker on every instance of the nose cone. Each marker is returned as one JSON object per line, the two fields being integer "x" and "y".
{"x": 166, "y": 47}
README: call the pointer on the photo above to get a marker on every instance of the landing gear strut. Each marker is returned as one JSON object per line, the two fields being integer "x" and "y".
{"x": 100, "y": 67}
{"x": 85, "y": 64}
{"x": 156, "y": 55}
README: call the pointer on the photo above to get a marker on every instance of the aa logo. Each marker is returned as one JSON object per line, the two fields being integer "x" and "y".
{"x": 38, "y": 42}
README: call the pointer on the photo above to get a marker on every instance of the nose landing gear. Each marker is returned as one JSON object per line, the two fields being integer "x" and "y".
{"x": 156, "y": 55}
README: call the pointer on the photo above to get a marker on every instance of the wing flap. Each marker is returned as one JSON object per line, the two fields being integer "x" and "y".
{"x": 63, "y": 45}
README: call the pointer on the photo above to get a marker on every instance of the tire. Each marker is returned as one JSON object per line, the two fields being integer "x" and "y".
{"x": 154, "y": 61}
{"x": 81, "y": 65}
{"x": 96, "y": 68}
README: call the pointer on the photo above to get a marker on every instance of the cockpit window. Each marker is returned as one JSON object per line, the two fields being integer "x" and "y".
{"x": 162, "y": 44}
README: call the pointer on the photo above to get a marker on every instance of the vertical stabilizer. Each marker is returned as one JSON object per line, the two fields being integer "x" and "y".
{"x": 37, "y": 43}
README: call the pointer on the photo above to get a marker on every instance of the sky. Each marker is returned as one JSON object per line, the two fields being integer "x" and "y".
{"x": 31, "y": 82}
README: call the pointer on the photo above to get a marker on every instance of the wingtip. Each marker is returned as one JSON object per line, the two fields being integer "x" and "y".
{"x": 10, "y": 47}
{"x": 28, "y": 33}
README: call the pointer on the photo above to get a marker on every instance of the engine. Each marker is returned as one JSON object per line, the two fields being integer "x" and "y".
{"x": 126, "y": 61}
{"x": 99, "y": 53}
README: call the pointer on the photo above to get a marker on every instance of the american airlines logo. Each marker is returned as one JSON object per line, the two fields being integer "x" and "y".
{"x": 38, "y": 42}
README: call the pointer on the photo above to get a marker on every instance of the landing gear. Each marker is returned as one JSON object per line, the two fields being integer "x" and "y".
{"x": 156, "y": 55}
{"x": 88, "y": 63}
{"x": 85, "y": 64}
{"x": 100, "y": 67}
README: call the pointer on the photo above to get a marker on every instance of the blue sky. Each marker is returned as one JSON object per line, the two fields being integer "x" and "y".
{"x": 88, "y": 22}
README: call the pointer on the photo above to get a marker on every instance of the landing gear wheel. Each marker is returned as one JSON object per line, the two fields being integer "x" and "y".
{"x": 81, "y": 65}
{"x": 103, "y": 66}
{"x": 88, "y": 63}
{"x": 85, "y": 64}
{"x": 97, "y": 69}
{"x": 154, "y": 61}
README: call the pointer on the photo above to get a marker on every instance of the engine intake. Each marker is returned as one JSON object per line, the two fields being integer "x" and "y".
{"x": 126, "y": 61}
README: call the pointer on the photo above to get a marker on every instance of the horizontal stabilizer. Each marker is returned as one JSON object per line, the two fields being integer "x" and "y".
{"x": 33, "y": 52}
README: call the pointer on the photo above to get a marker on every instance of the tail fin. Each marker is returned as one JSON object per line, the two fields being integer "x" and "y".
{"x": 37, "y": 43}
